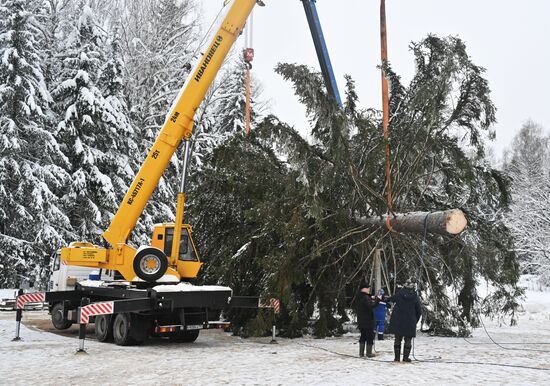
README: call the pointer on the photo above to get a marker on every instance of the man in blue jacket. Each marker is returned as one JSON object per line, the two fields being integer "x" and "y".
{"x": 404, "y": 317}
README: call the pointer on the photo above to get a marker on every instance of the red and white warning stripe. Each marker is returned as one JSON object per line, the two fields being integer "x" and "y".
{"x": 95, "y": 309}
{"x": 29, "y": 298}
{"x": 273, "y": 303}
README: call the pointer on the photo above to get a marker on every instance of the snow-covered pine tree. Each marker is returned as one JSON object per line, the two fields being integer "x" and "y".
{"x": 159, "y": 40}
{"x": 50, "y": 15}
{"x": 94, "y": 132}
{"x": 231, "y": 100}
{"x": 528, "y": 164}
{"x": 125, "y": 151}
{"x": 32, "y": 225}
{"x": 223, "y": 112}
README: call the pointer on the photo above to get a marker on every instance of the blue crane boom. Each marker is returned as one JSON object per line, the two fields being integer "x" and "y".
{"x": 321, "y": 48}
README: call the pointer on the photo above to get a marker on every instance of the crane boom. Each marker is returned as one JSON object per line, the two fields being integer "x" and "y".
{"x": 178, "y": 124}
{"x": 321, "y": 49}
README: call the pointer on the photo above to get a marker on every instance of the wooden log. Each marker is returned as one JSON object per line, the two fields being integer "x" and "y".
{"x": 448, "y": 222}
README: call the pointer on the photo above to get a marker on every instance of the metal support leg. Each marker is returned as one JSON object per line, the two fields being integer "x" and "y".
{"x": 18, "y": 317}
{"x": 273, "y": 341}
{"x": 82, "y": 328}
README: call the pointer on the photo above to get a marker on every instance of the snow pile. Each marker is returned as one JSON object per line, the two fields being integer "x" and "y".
{"x": 93, "y": 283}
{"x": 8, "y": 293}
{"x": 187, "y": 287}
{"x": 538, "y": 306}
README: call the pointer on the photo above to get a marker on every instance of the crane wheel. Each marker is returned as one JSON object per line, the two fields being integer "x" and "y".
{"x": 150, "y": 264}
{"x": 104, "y": 328}
{"x": 58, "y": 321}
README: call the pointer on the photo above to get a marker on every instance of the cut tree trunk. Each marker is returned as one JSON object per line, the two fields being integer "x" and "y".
{"x": 448, "y": 222}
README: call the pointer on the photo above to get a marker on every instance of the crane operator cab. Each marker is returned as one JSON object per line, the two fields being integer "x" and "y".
{"x": 151, "y": 263}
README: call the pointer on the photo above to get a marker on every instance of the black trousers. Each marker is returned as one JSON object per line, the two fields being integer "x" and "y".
{"x": 367, "y": 335}
{"x": 399, "y": 338}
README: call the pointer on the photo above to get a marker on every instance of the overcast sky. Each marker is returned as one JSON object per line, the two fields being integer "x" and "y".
{"x": 510, "y": 38}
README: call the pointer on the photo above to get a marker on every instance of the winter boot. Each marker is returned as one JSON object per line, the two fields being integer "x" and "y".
{"x": 406, "y": 353}
{"x": 361, "y": 349}
{"x": 370, "y": 354}
{"x": 397, "y": 351}
{"x": 380, "y": 336}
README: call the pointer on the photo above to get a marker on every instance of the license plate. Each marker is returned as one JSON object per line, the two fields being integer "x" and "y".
{"x": 194, "y": 327}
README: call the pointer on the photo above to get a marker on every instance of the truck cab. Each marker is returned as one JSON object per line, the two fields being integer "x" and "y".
{"x": 64, "y": 277}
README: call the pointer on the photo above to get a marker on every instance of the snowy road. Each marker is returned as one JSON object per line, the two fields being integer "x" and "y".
{"x": 218, "y": 358}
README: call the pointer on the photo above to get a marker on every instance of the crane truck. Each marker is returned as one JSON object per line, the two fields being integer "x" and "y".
{"x": 152, "y": 299}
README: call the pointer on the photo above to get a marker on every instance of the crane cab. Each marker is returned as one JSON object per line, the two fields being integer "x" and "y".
{"x": 188, "y": 263}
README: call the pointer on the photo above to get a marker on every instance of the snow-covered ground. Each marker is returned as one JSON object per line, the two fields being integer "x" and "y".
{"x": 219, "y": 358}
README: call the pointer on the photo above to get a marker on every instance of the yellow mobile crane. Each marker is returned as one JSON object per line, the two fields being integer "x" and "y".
{"x": 172, "y": 254}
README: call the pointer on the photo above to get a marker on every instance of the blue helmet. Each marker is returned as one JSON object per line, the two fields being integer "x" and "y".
{"x": 380, "y": 292}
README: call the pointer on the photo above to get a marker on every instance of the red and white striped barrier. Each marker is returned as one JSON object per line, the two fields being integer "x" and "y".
{"x": 29, "y": 298}
{"x": 273, "y": 303}
{"x": 105, "y": 308}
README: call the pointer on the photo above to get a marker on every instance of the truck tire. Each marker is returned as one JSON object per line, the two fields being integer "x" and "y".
{"x": 104, "y": 328}
{"x": 58, "y": 321}
{"x": 122, "y": 330}
{"x": 185, "y": 336}
{"x": 150, "y": 264}
{"x": 131, "y": 329}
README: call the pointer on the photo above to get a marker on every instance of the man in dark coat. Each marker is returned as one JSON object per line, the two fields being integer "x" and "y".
{"x": 365, "y": 319}
{"x": 404, "y": 318}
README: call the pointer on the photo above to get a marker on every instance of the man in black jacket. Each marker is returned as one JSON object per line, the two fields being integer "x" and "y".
{"x": 365, "y": 319}
{"x": 404, "y": 318}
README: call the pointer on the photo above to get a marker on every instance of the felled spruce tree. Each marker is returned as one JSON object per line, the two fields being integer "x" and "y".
{"x": 439, "y": 125}
{"x": 300, "y": 242}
